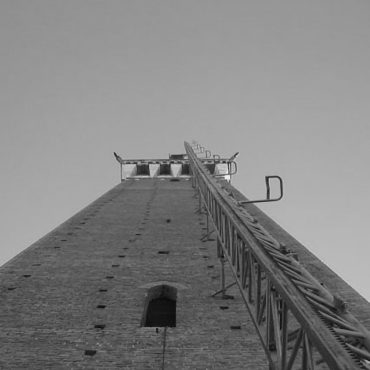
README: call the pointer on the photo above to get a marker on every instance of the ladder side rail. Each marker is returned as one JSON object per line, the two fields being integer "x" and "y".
{"x": 319, "y": 296}
{"x": 220, "y": 207}
{"x": 246, "y": 293}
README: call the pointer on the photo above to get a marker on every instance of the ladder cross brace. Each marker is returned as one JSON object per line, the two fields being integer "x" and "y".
{"x": 282, "y": 298}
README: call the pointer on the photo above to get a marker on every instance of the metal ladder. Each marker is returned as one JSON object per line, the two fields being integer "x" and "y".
{"x": 301, "y": 325}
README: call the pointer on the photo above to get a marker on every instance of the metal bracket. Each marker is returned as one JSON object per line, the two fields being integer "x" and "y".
{"x": 268, "y": 198}
{"x": 120, "y": 161}
{"x": 225, "y": 296}
{"x": 199, "y": 148}
{"x": 232, "y": 158}
{"x": 196, "y": 147}
{"x": 232, "y": 170}
{"x": 216, "y": 157}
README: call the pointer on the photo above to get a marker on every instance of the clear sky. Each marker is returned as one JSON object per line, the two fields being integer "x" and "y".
{"x": 286, "y": 83}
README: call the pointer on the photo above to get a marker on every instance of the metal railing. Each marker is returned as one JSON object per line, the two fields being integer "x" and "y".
{"x": 301, "y": 325}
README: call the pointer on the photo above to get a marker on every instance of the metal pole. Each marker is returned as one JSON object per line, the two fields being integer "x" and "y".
{"x": 222, "y": 261}
{"x": 207, "y": 225}
{"x": 200, "y": 201}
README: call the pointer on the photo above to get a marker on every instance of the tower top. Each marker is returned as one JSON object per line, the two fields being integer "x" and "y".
{"x": 176, "y": 166}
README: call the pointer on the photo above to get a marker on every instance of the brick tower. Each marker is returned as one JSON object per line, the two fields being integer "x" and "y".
{"x": 175, "y": 269}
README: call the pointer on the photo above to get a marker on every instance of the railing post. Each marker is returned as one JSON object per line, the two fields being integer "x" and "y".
{"x": 222, "y": 262}
{"x": 223, "y": 285}
{"x": 199, "y": 200}
{"x": 207, "y": 225}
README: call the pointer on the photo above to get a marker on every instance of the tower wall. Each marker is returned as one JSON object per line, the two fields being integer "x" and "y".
{"x": 76, "y": 298}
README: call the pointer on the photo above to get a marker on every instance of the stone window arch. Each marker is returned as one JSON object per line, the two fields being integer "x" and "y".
{"x": 160, "y": 306}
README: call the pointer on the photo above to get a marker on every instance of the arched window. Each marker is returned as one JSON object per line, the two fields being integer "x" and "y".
{"x": 160, "y": 307}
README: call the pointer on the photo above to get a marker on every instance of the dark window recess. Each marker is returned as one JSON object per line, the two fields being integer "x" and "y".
{"x": 210, "y": 167}
{"x": 160, "y": 309}
{"x": 185, "y": 169}
{"x": 161, "y": 312}
{"x": 103, "y": 290}
{"x": 163, "y": 252}
{"x": 101, "y": 306}
{"x": 164, "y": 169}
{"x": 235, "y": 327}
{"x": 142, "y": 170}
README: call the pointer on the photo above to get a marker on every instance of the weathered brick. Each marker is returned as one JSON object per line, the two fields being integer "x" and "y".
{"x": 48, "y": 320}
{"x": 107, "y": 255}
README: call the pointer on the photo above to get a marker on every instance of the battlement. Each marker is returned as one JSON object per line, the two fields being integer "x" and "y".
{"x": 176, "y": 166}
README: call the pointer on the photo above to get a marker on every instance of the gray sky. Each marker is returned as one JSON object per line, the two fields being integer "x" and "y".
{"x": 286, "y": 83}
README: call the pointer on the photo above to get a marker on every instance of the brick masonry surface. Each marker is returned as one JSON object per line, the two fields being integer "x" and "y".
{"x": 95, "y": 269}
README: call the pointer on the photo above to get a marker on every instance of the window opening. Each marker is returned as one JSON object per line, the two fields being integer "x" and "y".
{"x": 164, "y": 169}
{"x": 211, "y": 167}
{"x": 160, "y": 307}
{"x": 185, "y": 169}
{"x": 142, "y": 170}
